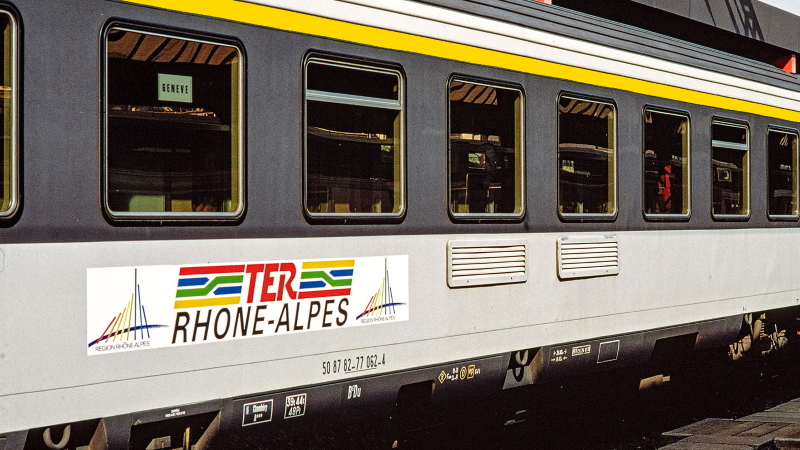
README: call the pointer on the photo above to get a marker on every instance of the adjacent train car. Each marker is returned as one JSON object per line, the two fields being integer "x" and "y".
{"x": 238, "y": 224}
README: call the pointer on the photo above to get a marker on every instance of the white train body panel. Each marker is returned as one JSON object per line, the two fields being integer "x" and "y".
{"x": 703, "y": 279}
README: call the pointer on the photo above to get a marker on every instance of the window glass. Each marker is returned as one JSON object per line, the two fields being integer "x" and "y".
{"x": 349, "y": 81}
{"x": 666, "y": 163}
{"x": 782, "y": 190}
{"x": 353, "y": 140}
{"x": 586, "y": 157}
{"x": 730, "y": 172}
{"x": 8, "y": 184}
{"x": 173, "y": 144}
{"x": 485, "y": 149}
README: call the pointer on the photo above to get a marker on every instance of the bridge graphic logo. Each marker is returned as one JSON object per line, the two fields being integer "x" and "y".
{"x": 130, "y": 324}
{"x": 381, "y": 304}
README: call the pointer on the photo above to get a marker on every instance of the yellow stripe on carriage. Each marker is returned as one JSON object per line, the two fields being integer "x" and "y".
{"x": 328, "y": 264}
{"x": 205, "y": 302}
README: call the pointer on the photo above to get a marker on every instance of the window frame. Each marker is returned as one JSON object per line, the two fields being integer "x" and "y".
{"x": 355, "y": 100}
{"x": 196, "y": 218}
{"x": 747, "y": 181}
{"x": 15, "y": 199}
{"x": 682, "y": 217}
{"x": 795, "y": 173}
{"x": 581, "y": 217}
{"x": 520, "y": 159}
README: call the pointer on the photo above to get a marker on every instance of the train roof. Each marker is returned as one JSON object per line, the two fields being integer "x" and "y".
{"x": 749, "y": 28}
{"x": 745, "y": 38}
{"x": 753, "y": 19}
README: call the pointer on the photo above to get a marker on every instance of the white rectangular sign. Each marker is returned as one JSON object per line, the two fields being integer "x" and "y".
{"x": 174, "y": 88}
{"x": 133, "y": 308}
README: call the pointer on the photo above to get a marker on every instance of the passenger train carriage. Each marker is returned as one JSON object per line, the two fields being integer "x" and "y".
{"x": 228, "y": 222}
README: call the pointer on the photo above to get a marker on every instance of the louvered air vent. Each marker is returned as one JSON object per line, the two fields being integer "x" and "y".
{"x": 477, "y": 263}
{"x": 588, "y": 256}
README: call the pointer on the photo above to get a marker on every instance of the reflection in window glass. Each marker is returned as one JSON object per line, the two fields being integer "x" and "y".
{"x": 352, "y": 81}
{"x": 730, "y": 178}
{"x": 666, "y": 163}
{"x": 782, "y": 149}
{"x": 485, "y": 149}
{"x": 353, "y": 139}
{"x": 173, "y": 116}
{"x": 8, "y": 191}
{"x": 586, "y": 157}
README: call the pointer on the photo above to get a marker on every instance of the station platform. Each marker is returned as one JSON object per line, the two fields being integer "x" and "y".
{"x": 777, "y": 428}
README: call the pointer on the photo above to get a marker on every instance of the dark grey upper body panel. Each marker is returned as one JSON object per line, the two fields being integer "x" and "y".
{"x": 62, "y": 151}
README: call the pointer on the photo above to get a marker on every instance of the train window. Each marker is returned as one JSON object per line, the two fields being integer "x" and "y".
{"x": 666, "y": 164}
{"x": 8, "y": 90}
{"x": 782, "y": 177}
{"x": 730, "y": 146}
{"x": 586, "y": 158}
{"x": 173, "y": 146}
{"x": 486, "y": 159}
{"x": 353, "y": 147}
